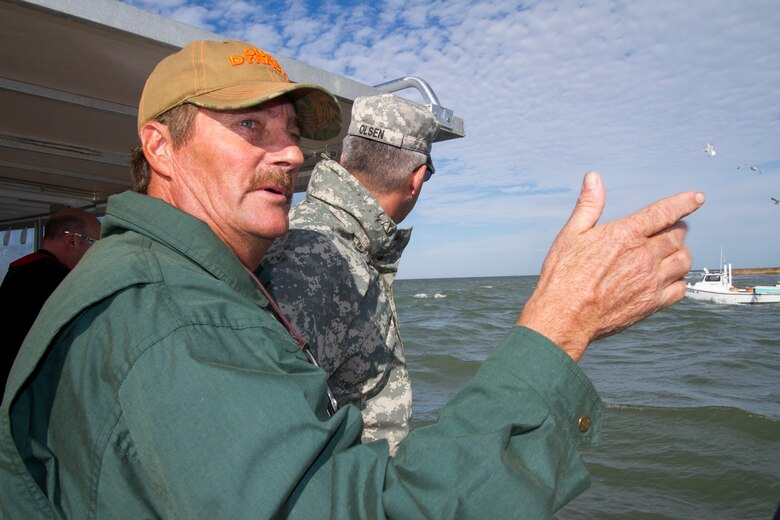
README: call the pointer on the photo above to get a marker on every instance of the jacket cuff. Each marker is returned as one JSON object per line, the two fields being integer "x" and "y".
{"x": 556, "y": 378}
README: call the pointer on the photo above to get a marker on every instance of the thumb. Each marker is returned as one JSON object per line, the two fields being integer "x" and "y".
{"x": 589, "y": 205}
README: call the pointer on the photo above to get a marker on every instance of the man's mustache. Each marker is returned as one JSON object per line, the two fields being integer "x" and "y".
{"x": 274, "y": 177}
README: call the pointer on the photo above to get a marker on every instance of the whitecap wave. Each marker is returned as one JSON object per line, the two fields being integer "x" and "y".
{"x": 426, "y": 295}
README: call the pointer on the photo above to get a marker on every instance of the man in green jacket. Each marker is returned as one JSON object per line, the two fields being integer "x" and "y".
{"x": 158, "y": 382}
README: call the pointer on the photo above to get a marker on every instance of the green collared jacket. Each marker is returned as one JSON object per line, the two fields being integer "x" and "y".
{"x": 155, "y": 384}
{"x": 332, "y": 276}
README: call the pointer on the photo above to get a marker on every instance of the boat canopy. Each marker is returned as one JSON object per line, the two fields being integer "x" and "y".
{"x": 71, "y": 75}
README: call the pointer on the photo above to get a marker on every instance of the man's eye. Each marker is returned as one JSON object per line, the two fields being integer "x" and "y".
{"x": 247, "y": 123}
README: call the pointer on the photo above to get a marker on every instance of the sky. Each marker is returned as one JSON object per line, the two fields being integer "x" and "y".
{"x": 549, "y": 90}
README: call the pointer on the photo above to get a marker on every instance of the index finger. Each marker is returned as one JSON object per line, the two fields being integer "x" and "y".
{"x": 665, "y": 212}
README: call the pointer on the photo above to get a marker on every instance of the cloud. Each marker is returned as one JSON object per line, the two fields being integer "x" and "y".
{"x": 192, "y": 15}
{"x": 159, "y": 6}
{"x": 550, "y": 90}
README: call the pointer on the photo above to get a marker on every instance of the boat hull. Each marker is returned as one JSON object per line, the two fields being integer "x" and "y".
{"x": 757, "y": 295}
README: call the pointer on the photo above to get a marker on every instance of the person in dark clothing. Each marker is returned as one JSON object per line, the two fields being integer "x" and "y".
{"x": 31, "y": 279}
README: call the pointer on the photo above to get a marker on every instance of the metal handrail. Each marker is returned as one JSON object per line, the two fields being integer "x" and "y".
{"x": 445, "y": 116}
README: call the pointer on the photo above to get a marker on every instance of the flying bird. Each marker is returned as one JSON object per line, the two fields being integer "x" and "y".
{"x": 710, "y": 150}
{"x": 775, "y": 200}
{"x": 749, "y": 166}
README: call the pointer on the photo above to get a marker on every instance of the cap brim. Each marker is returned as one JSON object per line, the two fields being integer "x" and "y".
{"x": 317, "y": 110}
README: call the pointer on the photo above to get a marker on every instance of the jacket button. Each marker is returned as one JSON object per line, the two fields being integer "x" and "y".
{"x": 584, "y": 423}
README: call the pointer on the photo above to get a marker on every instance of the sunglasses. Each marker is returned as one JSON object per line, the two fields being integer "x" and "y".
{"x": 429, "y": 169}
{"x": 83, "y": 237}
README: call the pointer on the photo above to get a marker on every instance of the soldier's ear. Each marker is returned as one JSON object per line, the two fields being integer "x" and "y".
{"x": 416, "y": 180}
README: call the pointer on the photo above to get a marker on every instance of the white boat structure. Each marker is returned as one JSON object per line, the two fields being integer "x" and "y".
{"x": 716, "y": 287}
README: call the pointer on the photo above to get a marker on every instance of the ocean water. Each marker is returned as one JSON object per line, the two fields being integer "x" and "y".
{"x": 691, "y": 426}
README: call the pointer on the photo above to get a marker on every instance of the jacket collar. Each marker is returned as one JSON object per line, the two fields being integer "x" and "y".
{"x": 180, "y": 231}
{"x": 36, "y": 256}
{"x": 371, "y": 228}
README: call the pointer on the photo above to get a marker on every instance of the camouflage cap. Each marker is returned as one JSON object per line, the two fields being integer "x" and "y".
{"x": 230, "y": 75}
{"x": 395, "y": 121}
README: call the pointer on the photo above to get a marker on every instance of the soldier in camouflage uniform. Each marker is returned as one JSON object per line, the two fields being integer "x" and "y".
{"x": 332, "y": 273}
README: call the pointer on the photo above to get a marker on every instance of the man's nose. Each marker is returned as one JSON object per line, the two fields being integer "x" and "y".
{"x": 287, "y": 155}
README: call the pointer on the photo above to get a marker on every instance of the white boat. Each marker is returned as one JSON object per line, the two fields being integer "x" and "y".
{"x": 716, "y": 287}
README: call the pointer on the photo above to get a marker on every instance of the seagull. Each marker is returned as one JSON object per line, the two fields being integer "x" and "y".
{"x": 749, "y": 166}
{"x": 710, "y": 150}
{"x": 775, "y": 200}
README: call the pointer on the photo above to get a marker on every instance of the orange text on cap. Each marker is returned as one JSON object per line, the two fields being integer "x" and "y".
{"x": 256, "y": 56}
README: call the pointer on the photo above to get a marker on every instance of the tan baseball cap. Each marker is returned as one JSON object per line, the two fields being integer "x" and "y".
{"x": 232, "y": 74}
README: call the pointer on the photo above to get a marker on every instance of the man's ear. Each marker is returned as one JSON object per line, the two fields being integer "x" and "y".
{"x": 416, "y": 180}
{"x": 158, "y": 147}
{"x": 70, "y": 240}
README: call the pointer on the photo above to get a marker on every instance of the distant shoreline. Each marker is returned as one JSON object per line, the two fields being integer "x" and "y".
{"x": 757, "y": 270}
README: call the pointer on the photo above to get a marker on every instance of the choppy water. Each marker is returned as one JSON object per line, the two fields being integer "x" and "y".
{"x": 691, "y": 427}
